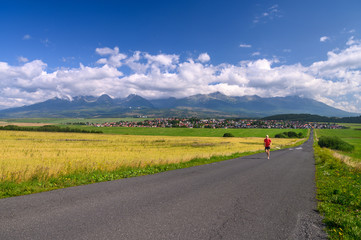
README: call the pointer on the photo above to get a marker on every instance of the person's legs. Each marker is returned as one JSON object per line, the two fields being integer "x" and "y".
{"x": 268, "y": 153}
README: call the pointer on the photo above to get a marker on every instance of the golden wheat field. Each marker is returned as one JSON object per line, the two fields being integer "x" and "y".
{"x": 27, "y": 154}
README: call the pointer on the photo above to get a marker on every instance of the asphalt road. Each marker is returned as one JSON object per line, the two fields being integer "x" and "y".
{"x": 244, "y": 198}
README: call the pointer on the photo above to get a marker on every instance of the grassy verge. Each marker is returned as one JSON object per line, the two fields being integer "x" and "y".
{"x": 339, "y": 195}
{"x": 37, "y": 184}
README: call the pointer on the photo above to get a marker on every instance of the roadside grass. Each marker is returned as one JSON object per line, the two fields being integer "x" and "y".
{"x": 339, "y": 195}
{"x": 30, "y": 160}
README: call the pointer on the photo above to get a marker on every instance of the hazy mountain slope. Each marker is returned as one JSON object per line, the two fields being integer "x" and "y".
{"x": 202, "y": 105}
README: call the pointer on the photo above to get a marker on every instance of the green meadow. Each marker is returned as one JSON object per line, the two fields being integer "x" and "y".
{"x": 192, "y": 132}
{"x": 352, "y": 135}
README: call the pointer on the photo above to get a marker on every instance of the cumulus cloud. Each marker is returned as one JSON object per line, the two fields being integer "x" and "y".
{"x": 335, "y": 81}
{"x": 204, "y": 57}
{"x": 162, "y": 59}
{"x": 324, "y": 39}
{"x": 339, "y": 63}
{"x": 115, "y": 58}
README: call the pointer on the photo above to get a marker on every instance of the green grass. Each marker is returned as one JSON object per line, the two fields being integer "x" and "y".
{"x": 352, "y": 125}
{"x": 351, "y": 136}
{"x": 339, "y": 195}
{"x": 193, "y": 132}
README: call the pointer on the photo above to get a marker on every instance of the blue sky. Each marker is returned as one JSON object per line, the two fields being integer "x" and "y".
{"x": 180, "y": 48}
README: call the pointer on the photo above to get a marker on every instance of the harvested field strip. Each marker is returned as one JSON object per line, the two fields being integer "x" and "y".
{"x": 21, "y": 124}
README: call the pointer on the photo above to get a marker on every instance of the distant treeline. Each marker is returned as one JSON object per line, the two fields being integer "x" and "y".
{"x": 47, "y": 128}
{"x": 313, "y": 118}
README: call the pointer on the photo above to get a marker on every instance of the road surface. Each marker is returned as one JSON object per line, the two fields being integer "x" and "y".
{"x": 244, "y": 198}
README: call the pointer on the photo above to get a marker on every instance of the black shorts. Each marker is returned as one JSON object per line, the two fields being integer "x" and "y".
{"x": 267, "y": 148}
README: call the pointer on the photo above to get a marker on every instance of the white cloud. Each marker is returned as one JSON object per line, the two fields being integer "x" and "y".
{"x": 23, "y": 59}
{"x": 134, "y": 64}
{"x": 115, "y": 58}
{"x": 324, "y": 39}
{"x": 242, "y": 45}
{"x": 269, "y": 14}
{"x": 107, "y": 51}
{"x": 339, "y": 62}
{"x": 335, "y": 81}
{"x": 162, "y": 59}
{"x": 256, "y": 54}
{"x": 204, "y": 57}
{"x": 26, "y": 37}
{"x": 352, "y": 41}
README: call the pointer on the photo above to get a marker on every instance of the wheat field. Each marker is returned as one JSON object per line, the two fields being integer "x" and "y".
{"x": 25, "y": 155}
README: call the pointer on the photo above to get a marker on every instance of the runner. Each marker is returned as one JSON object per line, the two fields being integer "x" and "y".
{"x": 267, "y": 145}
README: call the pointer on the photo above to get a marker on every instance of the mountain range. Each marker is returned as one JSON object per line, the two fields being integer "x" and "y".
{"x": 200, "y": 105}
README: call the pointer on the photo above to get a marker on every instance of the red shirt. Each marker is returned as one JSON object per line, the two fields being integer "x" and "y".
{"x": 267, "y": 142}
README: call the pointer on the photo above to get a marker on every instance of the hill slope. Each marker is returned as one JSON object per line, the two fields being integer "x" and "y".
{"x": 201, "y": 105}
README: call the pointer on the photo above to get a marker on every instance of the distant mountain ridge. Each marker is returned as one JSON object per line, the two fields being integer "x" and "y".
{"x": 202, "y": 105}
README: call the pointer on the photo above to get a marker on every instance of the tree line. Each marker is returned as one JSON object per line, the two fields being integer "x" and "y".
{"x": 313, "y": 118}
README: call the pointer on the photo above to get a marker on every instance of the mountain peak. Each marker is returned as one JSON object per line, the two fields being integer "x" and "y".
{"x": 104, "y": 96}
{"x": 217, "y": 94}
{"x": 133, "y": 95}
{"x": 105, "y": 99}
{"x": 137, "y": 101}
